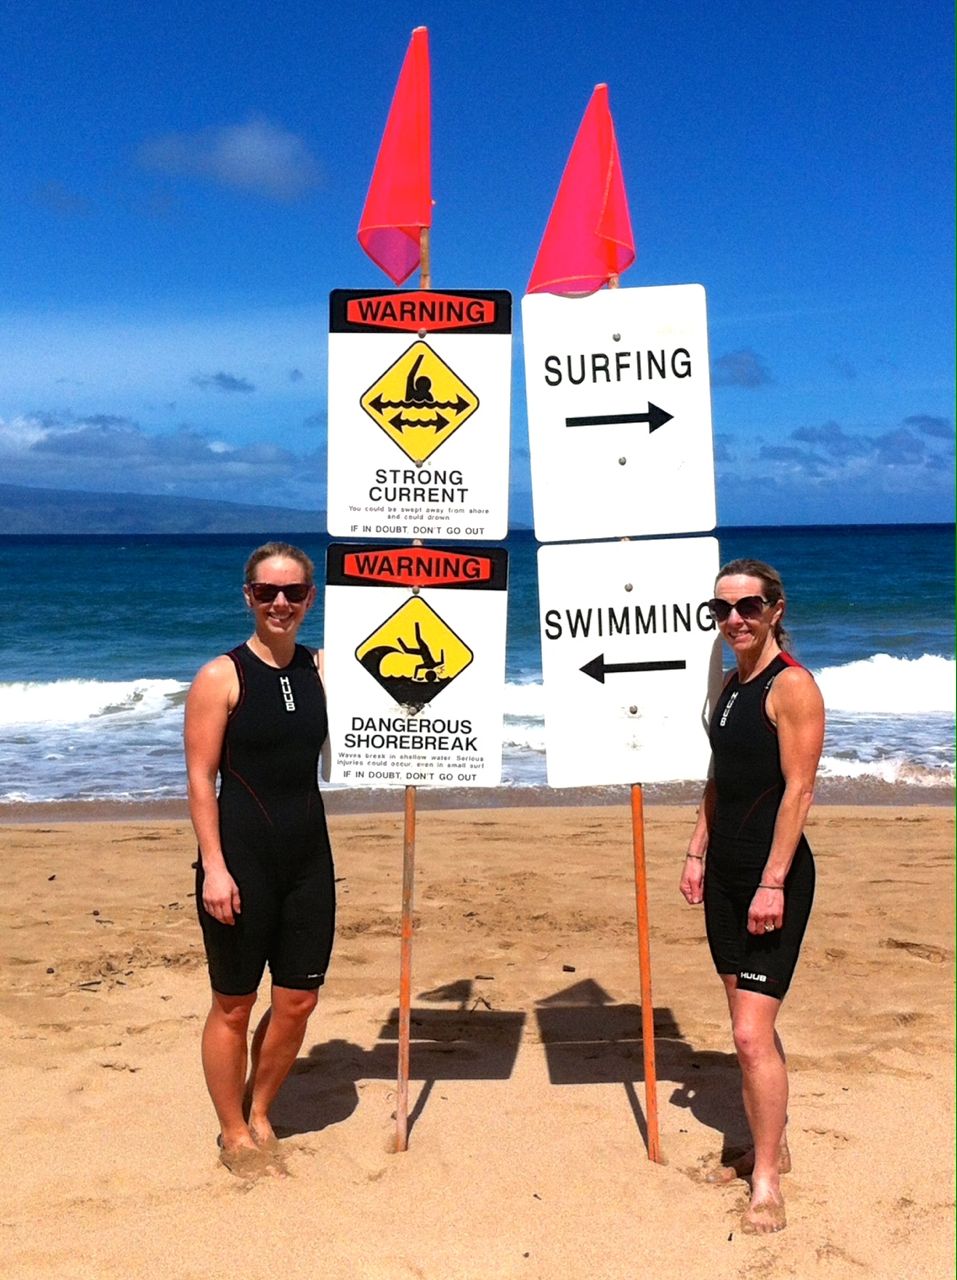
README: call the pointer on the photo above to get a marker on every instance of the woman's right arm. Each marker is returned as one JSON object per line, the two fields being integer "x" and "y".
{"x": 692, "y": 875}
{"x": 208, "y": 704}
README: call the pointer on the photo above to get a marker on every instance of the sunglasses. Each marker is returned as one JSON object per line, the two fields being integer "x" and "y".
{"x": 266, "y": 592}
{"x": 748, "y": 607}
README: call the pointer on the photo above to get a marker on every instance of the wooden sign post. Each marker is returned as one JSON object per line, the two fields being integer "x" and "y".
{"x": 408, "y": 879}
{"x": 405, "y": 974}
{"x": 644, "y": 972}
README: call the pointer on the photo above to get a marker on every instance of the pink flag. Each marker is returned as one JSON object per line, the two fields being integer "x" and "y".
{"x": 399, "y": 203}
{"x": 588, "y": 238}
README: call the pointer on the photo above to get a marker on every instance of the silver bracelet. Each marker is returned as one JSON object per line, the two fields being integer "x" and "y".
{"x": 779, "y": 887}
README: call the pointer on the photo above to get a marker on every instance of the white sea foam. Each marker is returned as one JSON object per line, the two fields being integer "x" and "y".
{"x": 524, "y": 728}
{"x": 76, "y": 702}
{"x": 894, "y": 769}
{"x": 879, "y": 685}
{"x": 524, "y": 736}
{"x": 525, "y": 701}
{"x": 884, "y": 684}
{"x": 890, "y": 719}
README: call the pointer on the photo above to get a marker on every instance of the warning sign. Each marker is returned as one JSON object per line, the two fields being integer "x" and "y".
{"x": 416, "y": 566}
{"x": 415, "y": 664}
{"x": 414, "y": 654}
{"x": 419, "y": 414}
{"x": 419, "y": 402}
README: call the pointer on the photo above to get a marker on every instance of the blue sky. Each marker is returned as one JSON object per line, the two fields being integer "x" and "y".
{"x": 180, "y": 186}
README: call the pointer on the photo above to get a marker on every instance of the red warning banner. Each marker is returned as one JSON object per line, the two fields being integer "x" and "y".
{"x": 420, "y": 311}
{"x": 462, "y": 568}
{"x": 416, "y": 567}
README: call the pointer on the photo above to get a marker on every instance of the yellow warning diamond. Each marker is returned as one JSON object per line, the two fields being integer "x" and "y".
{"x": 419, "y": 402}
{"x": 414, "y": 654}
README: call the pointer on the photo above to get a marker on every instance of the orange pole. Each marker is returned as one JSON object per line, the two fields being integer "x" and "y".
{"x": 644, "y": 965}
{"x": 405, "y": 975}
{"x": 425, "y": 258}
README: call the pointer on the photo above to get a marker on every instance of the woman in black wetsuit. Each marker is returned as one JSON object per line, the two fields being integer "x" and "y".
{"x": 265, "y": 889}
{"x": 748, "y": 859}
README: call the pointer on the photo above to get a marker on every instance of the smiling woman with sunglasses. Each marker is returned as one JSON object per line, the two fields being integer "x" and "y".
{"x": 265, "y": 889}
{"x": 749, "y": 862}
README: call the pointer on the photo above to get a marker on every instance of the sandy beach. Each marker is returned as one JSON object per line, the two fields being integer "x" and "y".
{"x": 527, "y": 1150}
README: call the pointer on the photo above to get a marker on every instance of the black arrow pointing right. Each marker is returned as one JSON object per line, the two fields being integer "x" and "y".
{"x": 655, "y": 418}
{"x": 598, "y": 668}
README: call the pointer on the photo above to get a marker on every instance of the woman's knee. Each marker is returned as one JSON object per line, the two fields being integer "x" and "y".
{"x": 292, "y": 1004}
{"x": 753, "y": 1039}
{"x": 233, "y": 1011}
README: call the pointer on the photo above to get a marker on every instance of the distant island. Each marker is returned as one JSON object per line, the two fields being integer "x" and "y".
{"x": 67, "y": 511}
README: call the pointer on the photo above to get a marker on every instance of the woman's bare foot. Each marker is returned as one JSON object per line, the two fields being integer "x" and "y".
{"x": 764, "y": 1214}
{"x": 740, "y": 1164}
{"x": 250, "y": 1162}
{"x": 264, "y": 1136}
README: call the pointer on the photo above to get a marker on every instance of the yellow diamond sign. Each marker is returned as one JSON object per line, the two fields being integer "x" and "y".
{"x": 419, "y": 402}
{"x": 414, "y": 654}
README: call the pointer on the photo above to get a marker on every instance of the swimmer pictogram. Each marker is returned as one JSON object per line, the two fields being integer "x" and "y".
{"x": 414, "y": 654}
{"x": 419, "y": 402}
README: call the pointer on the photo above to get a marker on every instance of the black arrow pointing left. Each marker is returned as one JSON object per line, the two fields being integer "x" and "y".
{"x": 598, "y": 668}
{"x": 655, "y": 418}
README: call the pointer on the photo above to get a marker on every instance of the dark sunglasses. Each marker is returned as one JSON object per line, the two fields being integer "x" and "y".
{"x": 266, "y": 592}
{"x": 748, "y": 607}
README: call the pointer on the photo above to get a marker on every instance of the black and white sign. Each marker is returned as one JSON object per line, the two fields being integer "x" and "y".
{"x": 419, "y": 397}
{"x": 415, "y": 664}
{"x": 631, "y": 660}
{"x": 619, "y": 413}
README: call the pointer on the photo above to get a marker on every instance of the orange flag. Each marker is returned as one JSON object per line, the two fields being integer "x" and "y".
{"x": 399, "y": 203}
{"x": 588, "y": 238}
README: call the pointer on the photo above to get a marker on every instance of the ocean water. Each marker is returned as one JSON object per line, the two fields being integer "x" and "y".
{"x": 100, "y": 636}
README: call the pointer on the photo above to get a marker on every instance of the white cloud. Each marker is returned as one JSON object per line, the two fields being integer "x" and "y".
{"x": 109, "y": 454}
{"x": 258, "y": 156}
{"x": 842, "y": 474}
{"x": 19, "y": 434}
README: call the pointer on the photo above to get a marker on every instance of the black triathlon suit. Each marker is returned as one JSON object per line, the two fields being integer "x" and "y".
{"x": 749, "y": 785}
{"x": 273, "y": 831}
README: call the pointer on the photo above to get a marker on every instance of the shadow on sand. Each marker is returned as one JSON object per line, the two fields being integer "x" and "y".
{"x": 587, "y": 1037}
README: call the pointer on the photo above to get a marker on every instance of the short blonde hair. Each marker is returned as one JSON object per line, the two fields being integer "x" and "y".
{"x": 284, "y": 549}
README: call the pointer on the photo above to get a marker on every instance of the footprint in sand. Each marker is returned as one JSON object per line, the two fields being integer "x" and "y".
{"x": 828, "y": 1252}
{"x": 923, "y": 950}
{"x": 836, "y": 1138}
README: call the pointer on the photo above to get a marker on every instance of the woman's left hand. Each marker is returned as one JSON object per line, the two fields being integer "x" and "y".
{"x": 691, "y": 885}
{"x": 766, "y": 912}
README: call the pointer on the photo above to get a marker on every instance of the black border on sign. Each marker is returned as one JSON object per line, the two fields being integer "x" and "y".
{"x": 336, "y": 575}
{"x": 339, "y": 324}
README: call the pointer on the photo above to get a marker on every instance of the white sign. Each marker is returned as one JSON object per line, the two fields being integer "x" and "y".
{"x": 415, "y": 664}
{"x": 419, "y": 398}
{"x": 631, "y": 660}
{"x": 619, "y": 413}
